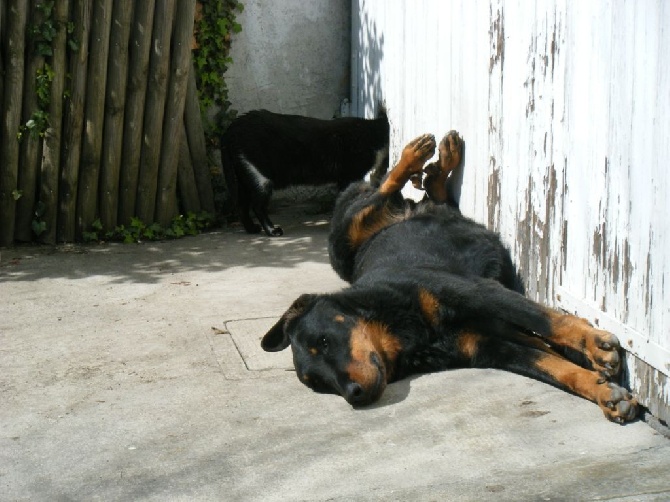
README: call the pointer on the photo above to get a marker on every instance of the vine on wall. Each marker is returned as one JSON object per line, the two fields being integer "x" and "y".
{"x": 215, "y": 25}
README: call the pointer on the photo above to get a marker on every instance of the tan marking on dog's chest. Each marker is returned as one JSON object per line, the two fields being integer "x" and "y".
{"x": 430, "y": 306}
{"x": 369, "y": 221}
{"x": 468, "y": 344}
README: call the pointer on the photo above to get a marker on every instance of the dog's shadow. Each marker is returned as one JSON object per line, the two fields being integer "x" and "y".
{"x": 395, "y": 393}
{"x": 455, "y": 180}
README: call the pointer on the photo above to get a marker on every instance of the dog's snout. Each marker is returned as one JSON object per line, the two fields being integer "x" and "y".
{"x": 354, "y": 393}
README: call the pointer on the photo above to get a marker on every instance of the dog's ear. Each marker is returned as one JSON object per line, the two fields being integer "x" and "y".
{"x": 277, "y": 338}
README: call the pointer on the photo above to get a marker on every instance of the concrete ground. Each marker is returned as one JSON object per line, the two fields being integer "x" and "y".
{"x": 133, "y": 372}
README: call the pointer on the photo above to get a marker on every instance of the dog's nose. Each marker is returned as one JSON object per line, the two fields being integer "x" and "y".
{"x": 354, "y": 393}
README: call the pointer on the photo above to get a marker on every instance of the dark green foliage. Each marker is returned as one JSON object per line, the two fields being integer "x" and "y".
{"x": 211, "y": 58}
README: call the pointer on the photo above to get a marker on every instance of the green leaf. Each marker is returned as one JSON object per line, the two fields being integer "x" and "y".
{"x": 39, "y": 227}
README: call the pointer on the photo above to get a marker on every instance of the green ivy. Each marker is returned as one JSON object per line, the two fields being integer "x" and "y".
{"x": 138, "y": 231}
{"x": 213, "y": 32}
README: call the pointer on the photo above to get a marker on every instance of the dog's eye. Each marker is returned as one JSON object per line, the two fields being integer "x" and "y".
{"x": 323, "y": 344}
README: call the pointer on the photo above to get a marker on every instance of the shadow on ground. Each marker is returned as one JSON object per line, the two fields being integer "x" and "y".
{"x": 305, "y": 234}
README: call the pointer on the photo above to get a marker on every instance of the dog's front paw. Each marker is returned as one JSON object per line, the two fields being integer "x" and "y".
{"x": 617, "y": 403}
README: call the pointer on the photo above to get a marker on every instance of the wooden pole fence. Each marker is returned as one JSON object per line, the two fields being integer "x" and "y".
{"x": 106, "y": 125}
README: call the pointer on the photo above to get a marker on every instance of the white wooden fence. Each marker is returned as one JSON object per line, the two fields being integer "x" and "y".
{"x": 564, "y": 108}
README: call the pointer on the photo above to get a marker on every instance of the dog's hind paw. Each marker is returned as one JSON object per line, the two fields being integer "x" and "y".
{"x": 411, "y": 162}
{"x": 275, "y": 231}
{"x": 617, "y": 403}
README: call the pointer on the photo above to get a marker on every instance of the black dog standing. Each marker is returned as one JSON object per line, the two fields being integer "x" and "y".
{"x": 262, "y": 151}
{"x": 432, "y": 290}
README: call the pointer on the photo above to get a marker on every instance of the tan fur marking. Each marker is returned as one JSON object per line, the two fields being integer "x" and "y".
{"x": 339, "y": 318}
{"x": 567, "y": 329}
{"x": 468, "y": 344}
{"x": 313, "y": 351}
{"x": 367, "y": 338}
{"x": 589, "y": 385}
{"x": 429, "y": 305}
{"x": 412, "y": 159}
{"x": 368, "y": 222}
{"x": 571, "y": 331}
{"x": 581, "y": 381}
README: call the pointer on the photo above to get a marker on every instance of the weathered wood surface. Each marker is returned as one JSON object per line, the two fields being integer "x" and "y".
{"x": 89, "y": 173}
{"x": 180, "y": 66}
{"x": 563, "y": 108}
{"x": 138, "y": 72}
{"x": 51, "y": 148}
{"x": 73, "y": 122}
{"x": 108, "y": 136}
{"x": 154, "y": 111}
{"x": 196, "y": 142}
{"x": 14, "y": 27}
{"x": 112, "y": 145}
{"x": 31, "y": 143}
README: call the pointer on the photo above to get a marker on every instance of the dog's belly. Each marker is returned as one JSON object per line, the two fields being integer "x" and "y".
{"x": 449, "y": 243}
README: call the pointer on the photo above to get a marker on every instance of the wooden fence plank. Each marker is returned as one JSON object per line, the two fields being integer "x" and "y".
{"x": 166, "y": 197}
{"x": 87, "y": 196}
{"x": 154, "y": 111}
{"x": 138, "y": 70}
{"x": 31, "y": 142}
{"x": 197, "y": 146}
{"x": 52, "y": 138}
{"x": 112, "y": 144}
{"x": 2, "y": 56}
{"x": 188, "y": 190}
{"x": 73, "y": 122}
{"x": 14, "y": 44}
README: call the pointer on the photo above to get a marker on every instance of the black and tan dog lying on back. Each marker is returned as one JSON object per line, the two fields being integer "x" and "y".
{"x": 262, "y": 151}
{"x": 432, "y": 290}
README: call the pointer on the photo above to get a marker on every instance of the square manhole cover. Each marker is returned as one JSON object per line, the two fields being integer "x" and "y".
{"x": 247, "y": 334}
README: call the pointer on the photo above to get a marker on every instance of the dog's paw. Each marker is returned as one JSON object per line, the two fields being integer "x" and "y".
{"x": 451, "y": 151}
{"x": 416, "y": 153}
{"x": 277, "y": 231}
{"x": 617, "y": 403}
{"x": 602, "y": 348}
{"x": 411, "y": 162}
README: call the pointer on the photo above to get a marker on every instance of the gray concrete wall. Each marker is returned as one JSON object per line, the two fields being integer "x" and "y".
{"x": 291, "y": 57}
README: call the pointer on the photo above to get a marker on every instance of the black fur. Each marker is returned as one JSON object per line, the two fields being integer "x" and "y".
{"x": 262, "y": 151}
{"x": 433, "y": 290}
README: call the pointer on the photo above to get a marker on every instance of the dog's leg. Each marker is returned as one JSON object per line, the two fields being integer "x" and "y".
{"x": 437, "y": 173}
{"x": 378, "y": 213}
{"x": 269, "y": 228}
{"x": 258, "y": 191}
{"x": 362, "y": 210}
{"x": 244, "y": 209}
{"x": 533, "y": 361}
{"x": 600, "y": 348}
{"x": 412, "y": 159}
